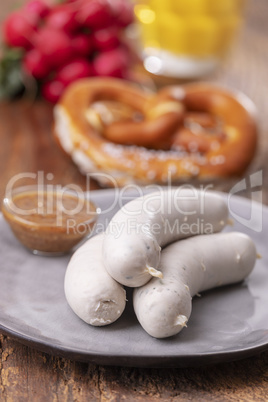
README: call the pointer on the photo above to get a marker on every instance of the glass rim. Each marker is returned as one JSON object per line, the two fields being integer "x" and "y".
{"x": 44, "y": 188}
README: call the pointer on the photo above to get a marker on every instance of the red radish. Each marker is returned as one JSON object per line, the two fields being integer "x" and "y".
{"x": 18, "y": 30}
{"x": 81, "y": 44}
{"x": 52, "y": 90}
{"x": 74, "y": 70}
{"x": 106, "y": 39}
{"x": 123, "y": 13}
{"x": 33, "y": 64}
{"x": 95, "y": 14}
{"x": 112, "y": 63}
{"x": 64, "y": 40}
{"x": 54, "y": 45}
{"x": 63, "y": 18}
{"x": 38, "y": 8}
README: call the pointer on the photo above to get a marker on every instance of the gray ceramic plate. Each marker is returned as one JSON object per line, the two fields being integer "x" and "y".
{"x": 226, "y": 324}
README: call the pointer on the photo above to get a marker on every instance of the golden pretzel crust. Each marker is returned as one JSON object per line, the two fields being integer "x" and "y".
{"x": 95, "y": 153}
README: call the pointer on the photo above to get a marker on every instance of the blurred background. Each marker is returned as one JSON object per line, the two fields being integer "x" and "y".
{"x": 223, "y": 42}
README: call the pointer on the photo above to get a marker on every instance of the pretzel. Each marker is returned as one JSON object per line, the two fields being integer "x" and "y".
{"x": 229, "y": 144}
{"x": 125, "y": 115}
{"x": 113, "y": 127}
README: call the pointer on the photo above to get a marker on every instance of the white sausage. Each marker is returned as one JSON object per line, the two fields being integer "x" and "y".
{"x": 163, "y": 306}
{"x": 90, "y": 291}
{"x": 135, "y": 235}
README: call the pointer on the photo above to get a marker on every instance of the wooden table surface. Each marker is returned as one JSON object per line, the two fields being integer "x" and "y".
{"x": 27, "y": 146}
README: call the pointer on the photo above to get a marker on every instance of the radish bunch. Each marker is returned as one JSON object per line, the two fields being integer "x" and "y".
{"x": 74, "y": 39}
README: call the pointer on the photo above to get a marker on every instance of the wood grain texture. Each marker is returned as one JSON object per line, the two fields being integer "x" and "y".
{"x": 27, "y": 374}
{"x": 27, "y": 145}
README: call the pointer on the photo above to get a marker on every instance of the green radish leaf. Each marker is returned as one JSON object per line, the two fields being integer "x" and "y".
{"x": 11, "y": 77}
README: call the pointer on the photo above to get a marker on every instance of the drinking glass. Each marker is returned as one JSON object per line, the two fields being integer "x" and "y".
{"x": 186, "y": 38}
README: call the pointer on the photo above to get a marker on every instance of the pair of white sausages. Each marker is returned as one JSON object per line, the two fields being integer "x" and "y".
{"x": 129, "y": 254}
{"x": 148, "y": 223}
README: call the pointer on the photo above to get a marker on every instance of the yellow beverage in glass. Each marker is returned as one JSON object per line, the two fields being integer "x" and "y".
{"x": 186, "y": 38}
